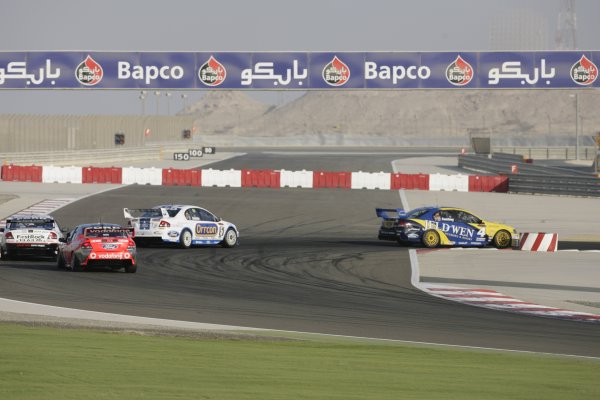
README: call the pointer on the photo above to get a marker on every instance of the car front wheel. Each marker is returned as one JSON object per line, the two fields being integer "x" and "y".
{"x": 502, "y": 239}
{"x": 60, "y": 263}
{"x": 231, "y": 238}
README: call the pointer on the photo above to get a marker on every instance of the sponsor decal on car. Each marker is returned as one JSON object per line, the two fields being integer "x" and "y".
{"x": 31, "y": 237}
{"x": 173, "y": 234}
{"x": 456, "y": 230}
{"x": 89, "y": 72}
{"x": 110, "y": 246}
{"x": 206, "y": 229}
{"x": 110, "y": 256}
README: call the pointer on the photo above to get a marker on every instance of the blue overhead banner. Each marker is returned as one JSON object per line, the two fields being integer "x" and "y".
{"x": 299, "y": 70}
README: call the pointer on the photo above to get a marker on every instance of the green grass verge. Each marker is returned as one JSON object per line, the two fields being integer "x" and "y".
{"x": 47, "y": 363}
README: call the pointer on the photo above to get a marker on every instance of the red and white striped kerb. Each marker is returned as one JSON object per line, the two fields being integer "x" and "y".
{"x": 539, "y": 242}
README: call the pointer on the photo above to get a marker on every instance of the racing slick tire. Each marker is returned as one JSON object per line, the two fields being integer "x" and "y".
{"x": 230, "y": 238}
{"x": 430, "y": 239}
{"x": 131, "y": 268}
{"x": 76, "y": 265}
{"x": 5, "y": 255}
{"x": 60, "y": 262}
{"x": 185, "y": 239}
{"x": 502, "y": 239}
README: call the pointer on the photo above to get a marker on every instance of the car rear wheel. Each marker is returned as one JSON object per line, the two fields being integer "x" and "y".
{"x": 75, "y": 265}
{"x": 131, "y": 269}
{"x": 430, "y": 239}
{"x": 502, "y": 239}
{"x": 185, "y": 240}
{"x": 230, "y": 239}
{"x": 4, "y": 255}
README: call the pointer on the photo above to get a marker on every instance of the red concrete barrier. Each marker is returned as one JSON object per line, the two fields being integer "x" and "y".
{"x": 261, "y": 178}
{"x": 409, "y": 181}
{"x": 22, "y": 173}
{"x": 478, "y": 183}
{"x": 181, "y": 177}
{"x": 102, "y": 175}
{"x": 326, "y": 179}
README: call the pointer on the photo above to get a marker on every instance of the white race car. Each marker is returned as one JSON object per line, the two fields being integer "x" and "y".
{"x": 184, "y": 225}
{"x": 30, "y": 235}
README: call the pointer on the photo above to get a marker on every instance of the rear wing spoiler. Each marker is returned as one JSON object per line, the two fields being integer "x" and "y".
{"x": 131, "y": 213}
{"x": 100, "y": 230}
{"x": 384, "y": 213}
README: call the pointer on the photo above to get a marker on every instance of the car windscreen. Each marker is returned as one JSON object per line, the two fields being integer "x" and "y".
{"x": 106, "y": 232}
{"x": 46, "y": 224}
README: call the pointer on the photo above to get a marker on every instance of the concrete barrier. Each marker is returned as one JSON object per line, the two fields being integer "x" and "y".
{"x": 544, "y": 242}
{"x": 215, "y": 177}
{"x": 449, "y": 183}
{"x": 142, "y": 176}
{"x": 301, "y": 179}
{"x": 52, "y": 174}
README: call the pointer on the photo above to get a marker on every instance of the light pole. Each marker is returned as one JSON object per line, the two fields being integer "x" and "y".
{"x": 184, "y": 102}
{"x": 576, "y": 124}
{"x": 143, "y": 101}
{"x": 168, "y": 95}
{"x": 157, "y": 93}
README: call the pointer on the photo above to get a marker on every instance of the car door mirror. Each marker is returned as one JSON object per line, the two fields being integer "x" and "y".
{"x": 62, "y": 240}
{"x": 218, "y": 219}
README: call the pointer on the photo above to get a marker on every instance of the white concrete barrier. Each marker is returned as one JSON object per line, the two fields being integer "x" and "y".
{"x": 142, "y": 176}
{"x": 449, "y": 183}
{"x": 215, "y": 177}
{"x": 52, "y": 174}
{"x": 536, "y": 241}
{"x": 302, "y": 179}
{"x": 371, "y": 180}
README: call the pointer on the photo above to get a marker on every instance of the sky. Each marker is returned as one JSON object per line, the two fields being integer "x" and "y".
{"x": 257, "y": 25}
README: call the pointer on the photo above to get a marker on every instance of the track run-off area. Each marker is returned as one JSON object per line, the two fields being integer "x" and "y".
{"x": 308, "y": 261}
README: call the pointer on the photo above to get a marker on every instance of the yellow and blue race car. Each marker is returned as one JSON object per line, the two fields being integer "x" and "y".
{"x": 443, "y": 226}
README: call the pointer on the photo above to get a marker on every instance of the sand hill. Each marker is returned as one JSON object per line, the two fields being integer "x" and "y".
{"x": 404, "y": 114}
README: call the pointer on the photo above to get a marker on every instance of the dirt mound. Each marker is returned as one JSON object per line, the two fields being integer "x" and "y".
{"x": 406, "y": 114}
{"x": 221, "y": 111}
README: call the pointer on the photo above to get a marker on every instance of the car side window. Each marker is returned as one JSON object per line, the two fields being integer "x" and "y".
{"x": 192, "y": 214}
{"x": 470, "y": 218}
{"x": 206, "y": 216}
{"x": 448, "y": 215}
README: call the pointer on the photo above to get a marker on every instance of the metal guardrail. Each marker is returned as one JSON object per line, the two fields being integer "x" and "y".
{"x": 508, "y": 157}
{"x": 558, "y": 185}
{"x": 502, "y": 166}
{"x": 535, "y": 179}
{"x": 549, "y": 153}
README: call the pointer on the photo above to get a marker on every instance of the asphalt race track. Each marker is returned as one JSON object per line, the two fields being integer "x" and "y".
{"x": 308, "y": 260}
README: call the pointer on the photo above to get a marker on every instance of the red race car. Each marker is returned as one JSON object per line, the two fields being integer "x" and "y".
{"x": 105, "y": 245}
